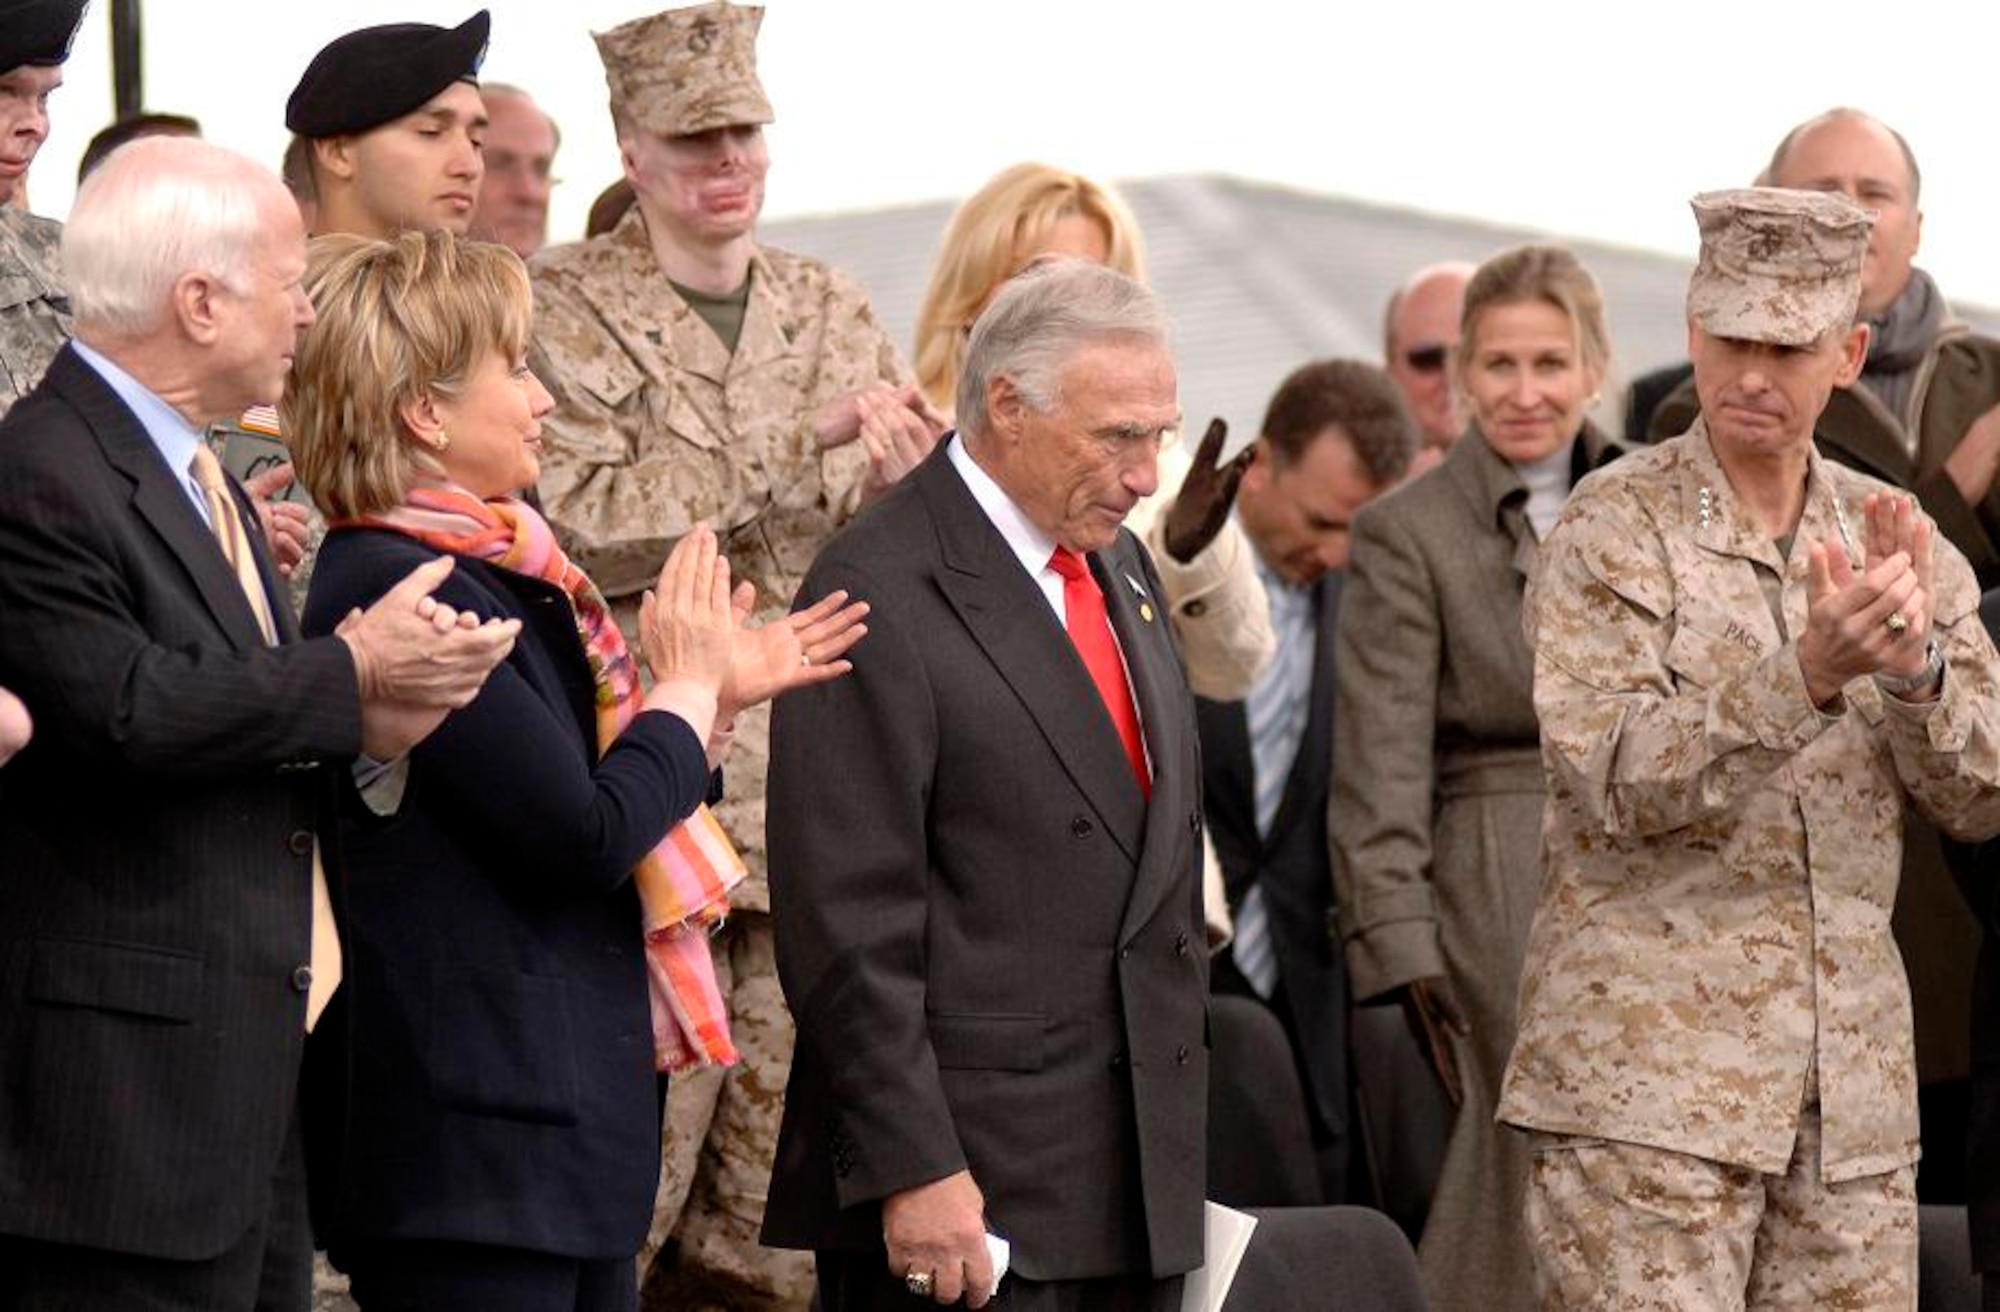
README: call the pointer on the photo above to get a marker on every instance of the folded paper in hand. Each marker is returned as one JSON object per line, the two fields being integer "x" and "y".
{"x": 1225, "y": 1237}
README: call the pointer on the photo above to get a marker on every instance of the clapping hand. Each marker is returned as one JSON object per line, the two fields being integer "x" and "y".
{"x": 417, "y": 659}
{"x": 404, "y": 652}
{"x": 1201, "y": 507}
{"x": 15, "y": 726}
{"x": 285, "y": 522}
{"x": 686, "y": 623}
{"x": 803, "y": 648}
{"x": 1876, "y": 621}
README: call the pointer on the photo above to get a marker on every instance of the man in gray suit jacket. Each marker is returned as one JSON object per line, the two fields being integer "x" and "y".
{"x": 984, "y": 851}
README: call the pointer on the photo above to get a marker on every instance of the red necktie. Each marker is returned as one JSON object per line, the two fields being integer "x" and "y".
{"x": 1090, "y": 630}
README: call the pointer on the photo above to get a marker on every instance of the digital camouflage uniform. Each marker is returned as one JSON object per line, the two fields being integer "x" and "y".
{"x": 656, "y": 427}
{"x": 1711, "y": 971}
{"x": 34, "y": 308}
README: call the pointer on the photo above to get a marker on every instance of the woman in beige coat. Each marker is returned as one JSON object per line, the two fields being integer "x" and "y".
{"x": 1437, "y": 782}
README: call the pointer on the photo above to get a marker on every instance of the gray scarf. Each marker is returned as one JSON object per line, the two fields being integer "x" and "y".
{"x": 1899, "y": 337}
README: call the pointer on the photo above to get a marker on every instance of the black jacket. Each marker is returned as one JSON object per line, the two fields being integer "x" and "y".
{"x": 490, "y": 1072}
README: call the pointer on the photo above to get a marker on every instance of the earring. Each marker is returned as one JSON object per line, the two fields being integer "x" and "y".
{"x": 443, "y": 441}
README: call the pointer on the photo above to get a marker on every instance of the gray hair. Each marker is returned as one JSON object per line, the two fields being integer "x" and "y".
{"x": 1039, "y": 319}
{"x": 156, "y": 209}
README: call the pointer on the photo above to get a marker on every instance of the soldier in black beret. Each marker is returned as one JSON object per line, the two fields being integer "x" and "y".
{"x": 34, "y": 313}
{"x": 395, "y": 124}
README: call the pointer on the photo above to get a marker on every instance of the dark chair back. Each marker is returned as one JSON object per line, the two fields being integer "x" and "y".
{"x": 1311, "y": 1259}
{"x": 1260, "y": 1150}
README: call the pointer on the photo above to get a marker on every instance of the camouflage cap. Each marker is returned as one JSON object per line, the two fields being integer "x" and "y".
{"x": 686, "y": 70}
{"x": 1777, "y": 265}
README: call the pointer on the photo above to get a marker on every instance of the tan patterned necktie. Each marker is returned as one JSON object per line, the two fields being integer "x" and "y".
{"x": 234, "y": 540}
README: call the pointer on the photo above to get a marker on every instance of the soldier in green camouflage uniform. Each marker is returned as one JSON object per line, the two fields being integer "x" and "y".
{"x": 1746, "y": 658}
{"x": 34, "y": 310}
{"x": 700, "y": 377}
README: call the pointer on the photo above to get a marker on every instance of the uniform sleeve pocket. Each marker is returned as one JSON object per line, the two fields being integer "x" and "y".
{"x": 988, "y": 1041}
{"x": 159, "y": 983}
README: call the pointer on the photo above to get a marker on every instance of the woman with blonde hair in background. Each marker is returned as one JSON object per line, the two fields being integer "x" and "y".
{"x": 1033, "y": 211}
{"x": 1437, "y": 779}
{"x": 528, "y": 893}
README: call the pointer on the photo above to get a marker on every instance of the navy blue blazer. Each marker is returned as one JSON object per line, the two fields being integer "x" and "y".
{"x": 486, "y": 1072}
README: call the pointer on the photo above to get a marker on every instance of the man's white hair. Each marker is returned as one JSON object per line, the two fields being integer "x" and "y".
{"x": 1040, "y": 318}
{"x": 156, "y": 209}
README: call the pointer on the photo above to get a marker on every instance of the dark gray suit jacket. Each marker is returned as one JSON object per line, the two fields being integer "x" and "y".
{"x": 155, "y": 844}
{"x": 991, "y": 941}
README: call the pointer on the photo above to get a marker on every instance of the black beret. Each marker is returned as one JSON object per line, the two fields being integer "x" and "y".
{"x": 366, "y": 78}
{"x": 37, "y": 31}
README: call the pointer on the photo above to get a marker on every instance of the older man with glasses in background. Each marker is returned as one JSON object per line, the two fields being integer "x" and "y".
{"x": 1419, "y": 333}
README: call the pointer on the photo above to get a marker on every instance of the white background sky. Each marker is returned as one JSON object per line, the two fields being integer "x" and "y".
{"x": 1590, "y": 119}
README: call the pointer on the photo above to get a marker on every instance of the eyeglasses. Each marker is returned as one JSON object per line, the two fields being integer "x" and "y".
{"x": 1426, "y": 359}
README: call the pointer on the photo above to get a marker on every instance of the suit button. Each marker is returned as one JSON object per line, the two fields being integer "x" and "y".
{"x": 1194, "y": 821}
{"x": 1123, "y": 953}
{"x": 300, "y": 843}
{"x": 302, "y": 979}
{"x": 1180, "y": 944}
{"x": 1118, "y": 1062}
{"x": 1080, "y": 827}
{"x": 1195, "y": 609}
{"x": 1181, "y": 1055}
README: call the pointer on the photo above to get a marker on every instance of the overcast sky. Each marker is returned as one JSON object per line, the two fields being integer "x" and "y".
{"x": 1591, "y": 119}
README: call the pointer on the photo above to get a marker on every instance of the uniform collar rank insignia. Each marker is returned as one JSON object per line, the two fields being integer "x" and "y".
{"x": 1705, "y": 505}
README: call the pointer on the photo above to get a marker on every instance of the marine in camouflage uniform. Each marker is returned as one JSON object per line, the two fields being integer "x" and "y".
{"x": 660, "y": 425}
{"x": 1715, "y": 1042}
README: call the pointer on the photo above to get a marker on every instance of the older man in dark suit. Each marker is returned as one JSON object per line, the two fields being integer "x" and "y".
{"x": 1336, "y": 435}
{"x": 166, "y": 932}
{"x": 984, "y": 851}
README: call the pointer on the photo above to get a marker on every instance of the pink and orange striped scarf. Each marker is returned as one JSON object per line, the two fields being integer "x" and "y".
{"x": 684, "y": 881}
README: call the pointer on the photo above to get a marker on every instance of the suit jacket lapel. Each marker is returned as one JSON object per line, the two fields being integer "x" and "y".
{"x": 1006, "y": 611}
{"x": 160, "y": 499}
{"x": 277, "y": 591}
{"x": 1494, "y": 490}
{"x": 1138, "y": 617}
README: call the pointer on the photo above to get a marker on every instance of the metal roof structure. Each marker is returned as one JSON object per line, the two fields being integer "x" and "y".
{"x": 1261, "y": 278}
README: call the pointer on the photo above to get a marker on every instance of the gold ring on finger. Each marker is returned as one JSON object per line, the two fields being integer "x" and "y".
{"x": 1896, "y": 622}
{"x": 920, "y": 1283}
